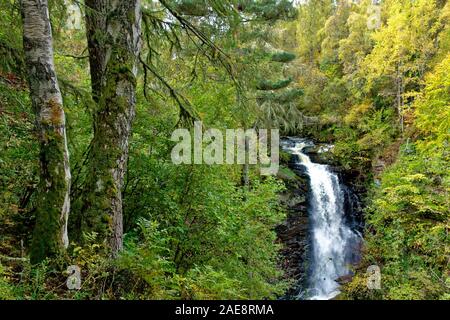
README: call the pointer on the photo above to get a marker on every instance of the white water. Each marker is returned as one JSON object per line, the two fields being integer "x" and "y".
{"x": 332, "y": 240}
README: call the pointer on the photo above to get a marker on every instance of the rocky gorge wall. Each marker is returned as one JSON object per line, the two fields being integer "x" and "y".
{"x": 294, "y": 233}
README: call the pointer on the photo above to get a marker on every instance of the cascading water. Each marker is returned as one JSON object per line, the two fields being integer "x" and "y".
{"x": 333, "y": 241}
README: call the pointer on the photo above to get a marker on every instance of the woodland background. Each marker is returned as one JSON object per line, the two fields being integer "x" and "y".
{"x": 93, "y": 129}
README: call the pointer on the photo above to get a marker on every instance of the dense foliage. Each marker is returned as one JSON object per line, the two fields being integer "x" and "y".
{"x": 191, "y": 232}
{"x": 409, "y": 211}
{"x": 379, "y": 91}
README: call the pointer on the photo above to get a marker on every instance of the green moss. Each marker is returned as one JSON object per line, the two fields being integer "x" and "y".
{"x": 6, "y": 289}
{"x": 101, "y": 188}
{"x": 286, "y": 173}
{"x": 52, "y": 188}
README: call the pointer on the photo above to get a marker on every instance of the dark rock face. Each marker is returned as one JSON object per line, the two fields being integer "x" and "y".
{"x": 352, "y": 183}
{"x": 320, "y": 153}
{"x": 294, "y": 232}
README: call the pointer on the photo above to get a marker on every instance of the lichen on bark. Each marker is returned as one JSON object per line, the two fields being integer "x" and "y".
{"x": 102, "y": 206}
{"x": 53, "y": 204}
{"x": 50, "y": 234}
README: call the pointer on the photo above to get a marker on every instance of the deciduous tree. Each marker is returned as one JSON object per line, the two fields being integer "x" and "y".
{"x": 50, "y": 235}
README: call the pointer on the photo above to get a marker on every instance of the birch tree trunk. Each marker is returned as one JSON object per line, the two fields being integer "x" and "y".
{"x": 102, "y": 199}
{"x": 50, "y": 235}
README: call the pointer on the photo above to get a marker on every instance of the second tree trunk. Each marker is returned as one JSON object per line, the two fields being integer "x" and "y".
{"x": 102, "y": 200}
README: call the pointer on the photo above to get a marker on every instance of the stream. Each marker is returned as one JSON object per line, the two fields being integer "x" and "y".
{"x": 334, "y": 240}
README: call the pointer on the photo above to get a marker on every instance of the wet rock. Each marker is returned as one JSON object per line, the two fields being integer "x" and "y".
{"x": 344, "y": 279}
{"x": 293, "y": 233}
{"x": 321, "y": 153}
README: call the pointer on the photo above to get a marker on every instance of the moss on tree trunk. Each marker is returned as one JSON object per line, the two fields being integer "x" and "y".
{"x": 53, "y": 204}
{"x": 102, "y": 197}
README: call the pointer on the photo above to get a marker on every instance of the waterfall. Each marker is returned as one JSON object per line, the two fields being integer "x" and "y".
{"x": 333, "y": 241}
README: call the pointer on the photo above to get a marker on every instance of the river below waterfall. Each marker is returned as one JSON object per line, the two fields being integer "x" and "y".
{"x": 334, "y": 241}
